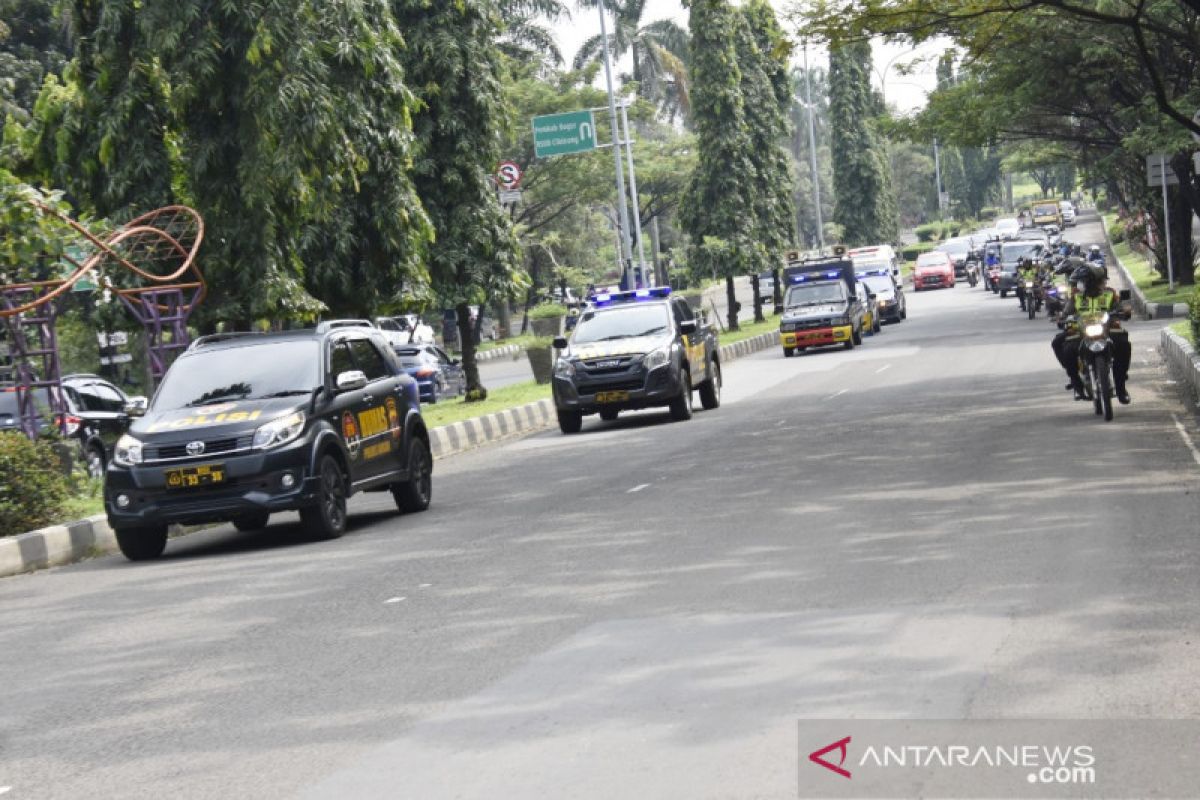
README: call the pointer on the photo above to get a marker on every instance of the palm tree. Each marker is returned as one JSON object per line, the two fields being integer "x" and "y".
{"x": 526, "y": 37}
{"x": 659, "y": 50}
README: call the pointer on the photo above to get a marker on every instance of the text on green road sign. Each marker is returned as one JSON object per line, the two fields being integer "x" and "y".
{"x": 559, "y": 134}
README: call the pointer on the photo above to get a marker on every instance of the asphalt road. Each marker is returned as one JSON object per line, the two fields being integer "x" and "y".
{"x": 925, "y": 527}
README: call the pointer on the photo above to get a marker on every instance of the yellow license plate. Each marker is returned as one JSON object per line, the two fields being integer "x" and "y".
{"x": 611, "y": 397}
{"x": 192, "y": 477}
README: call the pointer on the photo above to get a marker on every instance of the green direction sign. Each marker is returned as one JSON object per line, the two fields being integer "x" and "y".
{"x": 559, "y": 134}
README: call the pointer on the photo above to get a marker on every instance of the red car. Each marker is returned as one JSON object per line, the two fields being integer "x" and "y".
{"x": 935, "y": 270}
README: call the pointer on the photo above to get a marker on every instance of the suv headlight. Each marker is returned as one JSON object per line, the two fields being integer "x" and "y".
{"x": 564, "y": 369}
{"x": 656, "y": 358}
{"x": 128, "y": 451}
{"x": 280, "y": 431}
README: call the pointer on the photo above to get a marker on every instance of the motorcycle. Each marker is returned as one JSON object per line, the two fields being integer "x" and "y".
{"x": 972, "y": 273}
{"x": 1095, "y": 363}
{"x": 1032, "y": 297}
{"x": 1056, "y": 299}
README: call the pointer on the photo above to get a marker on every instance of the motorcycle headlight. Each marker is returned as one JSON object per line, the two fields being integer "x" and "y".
{"x": 1028, "y": 284}
{"x": 280, "y": 431}
{"x": 1094, "y": 331}
{"x": 128, "y": 451}
{"x": 656, "y": 358}
{"x": 564, "y": 369}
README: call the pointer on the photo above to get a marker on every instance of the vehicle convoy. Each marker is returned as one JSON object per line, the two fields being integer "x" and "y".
{"x": 1096, "y": 361}
{"x": 959, "y": 250}
{"x": 631, "y": 350}
{"x": 822, "y": 305}
{"x": 1067, "y": 209}
{"x": 875, "y": 257}
{"x": 97, "y": 414}
{"x": 248, "y": 424}
{"x": 1011, "y": 254}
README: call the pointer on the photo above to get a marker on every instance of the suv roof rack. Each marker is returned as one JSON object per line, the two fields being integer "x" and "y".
{"x": 334, "y": 324}
{"x": 213, "y": 338}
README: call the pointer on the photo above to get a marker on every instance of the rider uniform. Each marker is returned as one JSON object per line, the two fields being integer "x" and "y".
{"x": 1028, "y": 271}
{"x": 1093, "y": 298}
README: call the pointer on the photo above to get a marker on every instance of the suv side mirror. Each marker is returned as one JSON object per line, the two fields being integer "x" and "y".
{"x": 136, "y": 406}
{"x": 687, "y": 326}
{"x": 560, "y": 343}
{"x": 350, "y": 380}
{"x": 1126, "y": 295}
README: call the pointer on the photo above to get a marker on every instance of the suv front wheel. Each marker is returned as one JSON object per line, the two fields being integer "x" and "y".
{"x": 681, "y": 406}
{"x": 142, "y": 544}
{"x": 327, "y": 519}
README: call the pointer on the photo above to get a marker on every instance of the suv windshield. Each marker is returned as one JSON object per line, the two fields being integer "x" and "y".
{"x": 880, "y": 285}
{"x": 815, "y": 294}
{"x": 264, "y": 369}
{"x": 1011, "y": 253}
{"x": 622, "y": 322}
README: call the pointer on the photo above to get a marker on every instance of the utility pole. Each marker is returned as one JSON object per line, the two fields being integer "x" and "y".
{"x": 633, "y": 192}
{"x": 937, "y": 171}
{"x": 812, "y": 151}
{"x": 623, "y": 211}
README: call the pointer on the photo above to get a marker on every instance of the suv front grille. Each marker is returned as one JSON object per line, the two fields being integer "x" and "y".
{"x": 212, "y": 447}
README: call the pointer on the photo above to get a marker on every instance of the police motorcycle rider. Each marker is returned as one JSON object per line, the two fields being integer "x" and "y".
{"x": 1027, "y": 272}
{"x": 1094, "y": 255}
{"x": 1092, "y": 297}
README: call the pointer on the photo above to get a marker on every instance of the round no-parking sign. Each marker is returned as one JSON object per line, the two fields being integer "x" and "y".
{"x": 508, "y": 176}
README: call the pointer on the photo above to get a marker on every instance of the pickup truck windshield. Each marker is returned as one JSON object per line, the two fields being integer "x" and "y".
{"x": 265, "y": 369}
{"x": 815, "y": 294}
{"x": 622, "y": 322}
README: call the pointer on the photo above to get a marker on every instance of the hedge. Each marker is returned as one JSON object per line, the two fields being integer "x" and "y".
{"x": 910, "y": 251}
{"x": 33, "y": 485}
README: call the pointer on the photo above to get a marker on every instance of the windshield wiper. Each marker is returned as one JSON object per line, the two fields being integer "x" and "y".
{"x": 283, "y": 393}
{"x": 208, "y": 401}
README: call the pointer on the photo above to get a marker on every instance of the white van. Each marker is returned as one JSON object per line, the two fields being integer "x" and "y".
{"x": 876, "y": 257}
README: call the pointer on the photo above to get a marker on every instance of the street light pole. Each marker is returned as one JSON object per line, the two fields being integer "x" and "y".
{"x": 937, "y": 171}
{"x": 812, "y": 151}
{"x": 623, "y": 211}
{"x": 633, "y": 193}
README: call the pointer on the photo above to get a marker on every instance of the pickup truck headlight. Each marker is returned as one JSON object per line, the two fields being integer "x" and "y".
{"x": 128, "y": 451}
{"x": 280, "y": 431}
{"x": 564, "y": 369}
{"x": 656, "y": 358}
{"x": 845, "y": 320}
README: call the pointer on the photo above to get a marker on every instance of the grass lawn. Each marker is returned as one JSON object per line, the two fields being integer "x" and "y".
{"x": 520, "y": 341}
{"x": 1184, "y": 329}
{"x": 1145, "y": 276}
{"x": 751, "y": 329}
{"x": 518, "y": 394}
{"x": 1025, "y": 189}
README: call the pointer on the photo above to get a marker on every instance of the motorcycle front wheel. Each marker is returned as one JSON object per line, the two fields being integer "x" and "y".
{"x": 1106, "y": 394}
{"x": 1031, "y": 306}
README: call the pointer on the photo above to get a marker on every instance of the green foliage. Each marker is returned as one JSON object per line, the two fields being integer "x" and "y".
{"x": 31, "y": 242}
{"x": 1116, "y": 232}
{"x": 766, "y": 94}
{"x": 865, "y": 204}
{"x": 928, "y": 232}
{"x": 1194, "y": 314}
{"x": 547, "y": 311}
{"x": 33, "y": 486}
{"x": 910, "y": 251}
{"x": 32, "y": 46}
{"x": 720, "y": 196}
{"x": 453, "y": 60}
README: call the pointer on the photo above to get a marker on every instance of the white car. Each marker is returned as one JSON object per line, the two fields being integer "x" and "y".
{"x": 1068, "y": 213}
{"x": 1008, "y": 228}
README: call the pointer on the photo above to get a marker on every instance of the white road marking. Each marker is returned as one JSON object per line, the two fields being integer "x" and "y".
{"x": 391, "y": 600}
{"x": 425, "y": 585}
{"x": 5, "y": 789}
{"x": 837, "y": 395}
{"x": 884, "y": 368}
{"x": 1187, "y": 439}
{"x": 637, "y": 488}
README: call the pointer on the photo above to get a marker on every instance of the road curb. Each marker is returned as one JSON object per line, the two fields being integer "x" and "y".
{"x": 1182, "y": 359}
{"x": 65, "y": 544}
{"x": 56, "y": 545}
{"x": 1140, "y": 304}
{"x": 508, "y": 350}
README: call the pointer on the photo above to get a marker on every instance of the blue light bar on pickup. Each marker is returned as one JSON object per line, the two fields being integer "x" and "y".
{"x": 815, "y": 276}
{"x": 866, "y": 273}
{"x": 612, "y": 298}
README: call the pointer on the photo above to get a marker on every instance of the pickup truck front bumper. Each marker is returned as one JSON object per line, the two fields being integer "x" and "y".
{"x": 817, "y": 337}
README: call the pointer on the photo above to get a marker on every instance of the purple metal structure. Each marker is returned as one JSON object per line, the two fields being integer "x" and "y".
{"x": 33, "y": 349}
{"x": 153, "y": 252}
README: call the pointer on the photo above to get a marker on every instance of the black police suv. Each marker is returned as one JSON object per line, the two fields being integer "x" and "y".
{"x": 98, "y": 413}
{"x": 247, "y": 424}
{"x": 635, "y": 349}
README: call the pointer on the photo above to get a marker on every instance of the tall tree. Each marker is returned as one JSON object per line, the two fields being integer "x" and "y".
{"x": 720, "y": 197}
{"x": 659, "y": 51}
{"x": 453, "y": 62}
{"x": 525, "y": 36}
{"x": 766, "y": 92}
{"x": 32, "y": 46}
{"x": 865, "y": 206}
